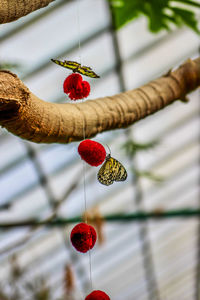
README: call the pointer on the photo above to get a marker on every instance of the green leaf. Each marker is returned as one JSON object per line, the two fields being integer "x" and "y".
{"x": 116, "y": 3}
{"x": 160, "y": 14}
{"x": 188, "y": 2}
{"x": 186, "y": 17}
{"x": 124, "y": 12}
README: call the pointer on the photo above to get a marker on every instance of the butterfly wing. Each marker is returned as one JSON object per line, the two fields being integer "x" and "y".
{"x": 121, "y": 172}
{"x": 72, "y": 65}
{"x": 112, "y": 170}
{"x": 87, "y": 71}
{"x": 106, "y": 173}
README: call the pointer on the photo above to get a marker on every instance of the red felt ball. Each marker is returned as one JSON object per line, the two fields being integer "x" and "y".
{"x": 72, "y": 81}
{"x": 83, "y": 237}
{"x": 92, "y": 152}
{"x": 75, "y": 87}
{"x": 97, "y": 295}
{"x": 85, "y": 89}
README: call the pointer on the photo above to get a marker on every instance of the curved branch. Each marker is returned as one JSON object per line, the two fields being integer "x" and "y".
{"x": 28, "y": 117}
{"x": 11, "y": 10}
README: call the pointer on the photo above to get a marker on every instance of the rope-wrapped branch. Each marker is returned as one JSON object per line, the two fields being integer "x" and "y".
{"x": 28, "y": 117}
{"x": 11, "y": 10}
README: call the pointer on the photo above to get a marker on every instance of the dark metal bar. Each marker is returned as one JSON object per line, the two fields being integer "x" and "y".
{"x": 143, "y": 229}
{"x": 139, "y": 216}
{"x": 143, "y": 233}
{"x": 43, "y": 179}
{"x": 118, "y": 58}
{"x": 197, "y": 279}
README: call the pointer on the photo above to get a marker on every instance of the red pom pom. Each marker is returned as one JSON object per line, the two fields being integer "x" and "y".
{"x": 92, "y": 152}
{"x": 83, "y": 237}
{"x": 75, "y": 87}
{"x": 85, "y": 89}
{"x": 97, "y": 295}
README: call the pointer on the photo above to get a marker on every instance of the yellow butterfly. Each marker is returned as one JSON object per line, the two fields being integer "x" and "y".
{"x": 112, "y": 170}
{"x": 76, "y": 67}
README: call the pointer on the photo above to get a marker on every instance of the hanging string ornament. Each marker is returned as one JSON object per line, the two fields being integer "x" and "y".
{"x": 92, "y": 152}
{"x": 74, "y": 86}
{"x": 76, "y": 67}
{"x": 83, "y": 237}
{"x": 95, "y": 218}
{"x": 97, "y": 295}
{"x": 112, "y": 170}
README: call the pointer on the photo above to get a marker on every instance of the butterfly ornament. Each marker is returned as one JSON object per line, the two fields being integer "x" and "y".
{"x": 112, "y": 170}
{"x": 76, "y": 67}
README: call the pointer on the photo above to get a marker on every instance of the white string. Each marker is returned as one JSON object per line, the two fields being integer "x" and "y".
{"x": 85, "y": 201}
{"x": 79, "y": 30}
{"x": 108, "y": 149}
{"x": 83, "y": 125}
{"x": 90, "y": 263}
{"x": 84, "y": 177}
{"x": 84, "y": 191}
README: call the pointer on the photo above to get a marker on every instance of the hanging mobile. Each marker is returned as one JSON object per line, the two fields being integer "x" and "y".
{"x": 76, "y": 67}
{"x": 112, "y": 170}
{"x": 83, "y": 236}
{"x": 92, "y": 152}
{"x": 97, "y": 295}
{"x": 74, "y": 86}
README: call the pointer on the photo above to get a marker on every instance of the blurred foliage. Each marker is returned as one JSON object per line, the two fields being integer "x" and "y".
{"x": 19, "y": 287}
{"x": 5, "y": 65}
{"x": 3, "y": 296}
{"x": 131, "y": 148}
{"x": 150, "y": 175}
{"x": 161, "y": 14}
{"x": 16, "y": 271}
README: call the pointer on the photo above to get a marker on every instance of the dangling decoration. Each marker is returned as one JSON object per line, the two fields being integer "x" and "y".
{"x": 92, "y": 152}
{"x": 97, "y": 295}
{"x": 76, "y": 67}
{"x": 95, "y": 218}
{"x": 112, "y": 170}
{"x": 75, "y": 87}
{"x": 83, "y": 237}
